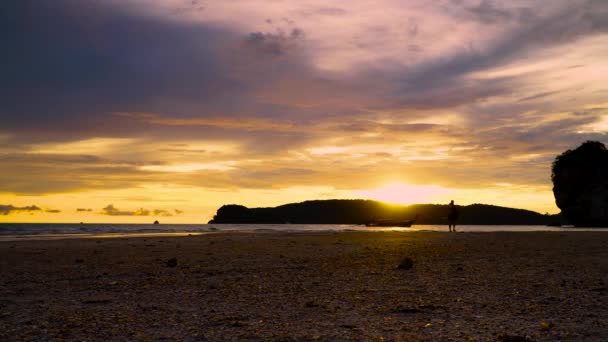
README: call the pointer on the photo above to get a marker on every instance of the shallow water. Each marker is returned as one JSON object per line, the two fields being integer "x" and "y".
{"x": 54, "y": 231}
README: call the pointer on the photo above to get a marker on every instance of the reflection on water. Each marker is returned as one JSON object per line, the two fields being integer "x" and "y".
{"x": 14, "y": 231}
{"x": 16, "y": 237}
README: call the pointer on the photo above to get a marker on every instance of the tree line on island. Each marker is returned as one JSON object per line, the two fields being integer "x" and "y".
{"x": 359, "y": 211}
{"x": 580, "y": 187}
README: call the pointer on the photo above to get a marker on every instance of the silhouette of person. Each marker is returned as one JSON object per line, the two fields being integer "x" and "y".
{"x": 452, "y": 216}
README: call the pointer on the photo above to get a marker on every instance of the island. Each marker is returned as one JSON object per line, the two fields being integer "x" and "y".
{"x": 359, "y": 211}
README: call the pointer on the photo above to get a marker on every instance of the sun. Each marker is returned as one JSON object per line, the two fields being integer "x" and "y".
{"x": 402, "y": 193}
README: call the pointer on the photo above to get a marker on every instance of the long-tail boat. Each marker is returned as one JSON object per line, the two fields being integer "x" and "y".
{"x": 391, "y": 223}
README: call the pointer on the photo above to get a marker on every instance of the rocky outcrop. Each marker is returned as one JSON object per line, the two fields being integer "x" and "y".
{"x": 232, "y": 213}
{"x": 580, "y": 184}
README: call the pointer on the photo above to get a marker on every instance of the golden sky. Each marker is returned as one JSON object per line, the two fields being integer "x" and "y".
{"x": 133, "y": 110}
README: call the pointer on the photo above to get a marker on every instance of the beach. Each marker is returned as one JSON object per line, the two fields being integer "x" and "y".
{"x": 273, "y": 286}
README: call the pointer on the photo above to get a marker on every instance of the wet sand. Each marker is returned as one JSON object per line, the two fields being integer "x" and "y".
{"x": 545, "y": 286}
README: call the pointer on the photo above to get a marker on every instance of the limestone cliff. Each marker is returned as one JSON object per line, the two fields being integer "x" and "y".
{"x": 580, "y": 184}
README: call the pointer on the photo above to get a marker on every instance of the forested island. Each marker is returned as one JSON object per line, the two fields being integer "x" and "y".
{"x": 359, "y": 211}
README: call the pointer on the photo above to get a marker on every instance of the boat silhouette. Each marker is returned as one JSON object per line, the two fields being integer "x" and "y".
{"x": 391, "y": 223}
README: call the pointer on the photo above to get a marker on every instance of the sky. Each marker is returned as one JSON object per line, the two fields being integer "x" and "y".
{"x": 141, "y": 110}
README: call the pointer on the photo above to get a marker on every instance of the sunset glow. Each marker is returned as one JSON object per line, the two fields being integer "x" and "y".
{"x": 400, "y": 193}
{"x": 172, "y": 108}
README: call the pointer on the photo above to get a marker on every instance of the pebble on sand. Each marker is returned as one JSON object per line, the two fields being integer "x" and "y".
{"x": 406, "y": 264}
{"x": 172, "y": 262}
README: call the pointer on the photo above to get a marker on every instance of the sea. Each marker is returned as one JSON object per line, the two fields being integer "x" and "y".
{"x": 55, "y": 231}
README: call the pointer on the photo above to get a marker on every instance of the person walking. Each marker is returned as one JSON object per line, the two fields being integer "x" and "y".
{"x": 452, "y": 216}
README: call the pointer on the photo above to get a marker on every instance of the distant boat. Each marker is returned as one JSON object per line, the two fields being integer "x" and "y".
{"x": 391, "y": 223}
{"x": 156, "y": 222}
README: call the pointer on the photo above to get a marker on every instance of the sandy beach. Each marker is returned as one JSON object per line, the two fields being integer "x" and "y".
{"x": 545, "y": 286}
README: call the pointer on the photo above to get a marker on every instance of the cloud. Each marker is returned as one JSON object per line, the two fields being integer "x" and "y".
{"x": 21, "y": 173}
{"x": 10, "y": 209}
{"x": 246, "y": 124}
{"x": 53, "y": 211}
{"x": 127, "y": 57}
{"x": 110, "y": 210}
{"x": 159, "y": 212}
{"x": 491, "y": 12}
{"x": 463, "y": 93}
{"x": 84, "y": 210}
{"x": 198, "y": 69}
{"x": 273, "y": 44}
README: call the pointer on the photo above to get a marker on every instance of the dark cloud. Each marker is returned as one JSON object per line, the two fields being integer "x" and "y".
{"x": 84, "y": 60}
{"x": 51, "y": 158}
{"x": 113, "y": 211}
{"x": 83, "y": 71}
{"x": 10, "y": 209}
{"x": 123, "y": 62}
{"x": 540, "y": 95}
{"x": 189, "y": 6}
{"x": 52, "y": 211}
{"x": 598, "y": 15}
{"x": 80, "y": 70}
{"x": 84, "y": 210}
{"x": 273, "y": 44}
{"x": 492, "y": 12}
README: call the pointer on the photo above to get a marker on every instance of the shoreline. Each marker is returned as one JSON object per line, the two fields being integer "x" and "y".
{"x": 308, "y": 286}
{"x": 134, "y": 230}
{"x": 53, "y": 237}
